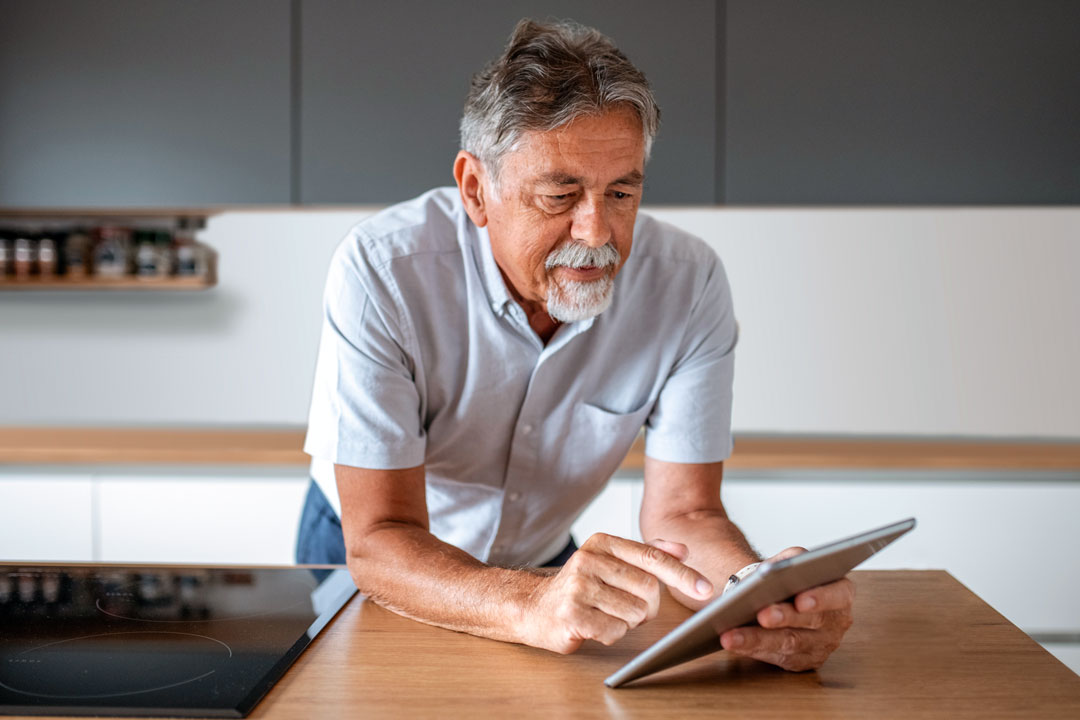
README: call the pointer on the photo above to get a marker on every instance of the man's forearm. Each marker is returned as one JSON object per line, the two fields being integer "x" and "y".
{"x": 408, "y": 570}
{"x": 717, "y": 546}
{"x": 607, "y": 587}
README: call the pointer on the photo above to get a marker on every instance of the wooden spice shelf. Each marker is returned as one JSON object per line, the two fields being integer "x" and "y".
{"x": 107, "y": 283}
{"x": 111, "y": 216}
{"x": 108, "y": 212}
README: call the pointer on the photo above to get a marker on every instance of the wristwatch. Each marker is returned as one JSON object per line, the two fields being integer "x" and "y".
{"x": 734, "y": 579}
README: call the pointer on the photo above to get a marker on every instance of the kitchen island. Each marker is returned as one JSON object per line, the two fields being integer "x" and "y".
{"x": 922, "y": 645}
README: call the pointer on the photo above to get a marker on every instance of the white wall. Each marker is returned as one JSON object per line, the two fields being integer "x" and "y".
{"x": 891, "y": 321}
{"x": 941, "y": 321}
{"x": 921, "y": 321}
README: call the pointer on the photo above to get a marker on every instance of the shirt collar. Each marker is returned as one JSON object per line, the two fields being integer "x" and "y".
{"x": 494, "y": 285}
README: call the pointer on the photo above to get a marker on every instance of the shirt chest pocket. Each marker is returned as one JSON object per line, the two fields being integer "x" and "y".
{"x": 597, "y": 441}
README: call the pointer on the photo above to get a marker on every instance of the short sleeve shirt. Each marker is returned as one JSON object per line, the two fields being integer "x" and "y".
{"x": 425, "y": 359}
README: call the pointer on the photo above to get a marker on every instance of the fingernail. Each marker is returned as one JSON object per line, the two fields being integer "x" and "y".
{"x": 735, "y": 639}
{"x": 704, "y": 588}
{"x": 776, "y": 616}
{"x": 809, "y": 603}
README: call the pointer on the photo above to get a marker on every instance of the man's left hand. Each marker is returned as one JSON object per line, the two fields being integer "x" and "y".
{"x": 797, "y": 635}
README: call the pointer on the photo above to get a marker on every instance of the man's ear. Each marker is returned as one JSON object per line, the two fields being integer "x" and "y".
{"x": 469, "y": 174}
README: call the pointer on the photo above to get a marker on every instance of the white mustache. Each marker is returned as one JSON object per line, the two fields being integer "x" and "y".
{"x": 576, "y": 255}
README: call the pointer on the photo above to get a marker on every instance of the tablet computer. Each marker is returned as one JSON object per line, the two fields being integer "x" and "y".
{"x": 772, "y": 582}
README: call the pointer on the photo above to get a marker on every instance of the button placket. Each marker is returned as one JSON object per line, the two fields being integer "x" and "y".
{"x": 521, "y": 466}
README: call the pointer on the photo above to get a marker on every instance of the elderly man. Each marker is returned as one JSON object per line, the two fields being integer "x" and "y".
{"x": 488, "y": 355}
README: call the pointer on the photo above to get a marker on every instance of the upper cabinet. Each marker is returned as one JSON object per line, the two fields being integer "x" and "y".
{"x": 128, "y": 103}
{"x": 915, "y": 102}
{"x": 190, "y": 103}
{"x": 383, "y": 85}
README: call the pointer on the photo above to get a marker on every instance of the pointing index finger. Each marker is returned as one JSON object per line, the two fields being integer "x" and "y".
{"x": 665, "y": 567}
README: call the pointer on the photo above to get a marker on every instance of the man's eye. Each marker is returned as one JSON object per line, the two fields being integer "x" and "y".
{"x": 621, "y": 195}
{"x": 558, "y": 203}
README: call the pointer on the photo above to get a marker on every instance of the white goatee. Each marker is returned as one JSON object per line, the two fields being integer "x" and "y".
{"x": 570, "y": 301}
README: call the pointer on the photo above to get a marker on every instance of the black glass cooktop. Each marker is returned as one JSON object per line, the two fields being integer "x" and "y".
{"x": 159, "y": 641}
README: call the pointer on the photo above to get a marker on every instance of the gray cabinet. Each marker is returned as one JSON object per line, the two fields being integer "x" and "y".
{"x": 186, "y": 103}
{"x": 906, "y": 102}
{"x": 383, "y": 84}
{"x": 133, "y": 103}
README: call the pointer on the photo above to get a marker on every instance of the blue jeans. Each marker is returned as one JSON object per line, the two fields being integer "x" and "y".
{"x": 321, "y": 541}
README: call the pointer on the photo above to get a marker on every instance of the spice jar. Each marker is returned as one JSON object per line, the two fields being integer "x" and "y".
{"x": 24, "y": 256}
{"x": 47, "y": 256}
{"x": 146, "y": 256}
{"x": 76, "y": 253}
{"x": 190, "y": 255}
{"x": 163, "y": 242}
{"x": 5, "y": 255}
{"x": 111, "y": 252}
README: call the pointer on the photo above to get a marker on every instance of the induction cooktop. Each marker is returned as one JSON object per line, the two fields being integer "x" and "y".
{"x": 155, "y": 641}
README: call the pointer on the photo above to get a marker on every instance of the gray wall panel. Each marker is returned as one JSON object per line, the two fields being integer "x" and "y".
{"x": 383, "y": 84}
{"x": 137, "y": 103}
{"x": 913, "y": 102}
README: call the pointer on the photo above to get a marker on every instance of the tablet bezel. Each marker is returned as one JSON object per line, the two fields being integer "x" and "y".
{"x": 772, "y": 582}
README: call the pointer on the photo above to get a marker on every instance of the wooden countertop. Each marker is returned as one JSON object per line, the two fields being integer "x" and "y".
{"x": 138, "y": 446}
{"x": 922, "y": 645}
{"x": 125, "y": 446}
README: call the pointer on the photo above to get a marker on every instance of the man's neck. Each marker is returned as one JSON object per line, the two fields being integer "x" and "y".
{"x": 536, "y": 312}
{"x": 543, "y": 324}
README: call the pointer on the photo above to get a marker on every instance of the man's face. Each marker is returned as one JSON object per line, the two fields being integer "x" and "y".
{"x": 562, "y": 221}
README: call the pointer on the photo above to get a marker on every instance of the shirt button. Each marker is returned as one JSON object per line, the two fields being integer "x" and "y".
{"x": 515, "y": 496}
{"x": 496, "y": 549}
{"x": 526, "y": 429}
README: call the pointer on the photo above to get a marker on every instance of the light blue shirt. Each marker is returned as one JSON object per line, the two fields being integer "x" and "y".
{"x": 426, "y": 359}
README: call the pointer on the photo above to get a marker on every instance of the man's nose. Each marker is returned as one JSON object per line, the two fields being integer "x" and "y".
{"x": 591, "y": 226}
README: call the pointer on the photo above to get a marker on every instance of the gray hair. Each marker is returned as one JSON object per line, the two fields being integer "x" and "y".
{"x": 548, "y": 75}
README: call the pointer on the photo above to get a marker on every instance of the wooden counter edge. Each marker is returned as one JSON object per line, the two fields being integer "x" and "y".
{"x": 283, "y": 447}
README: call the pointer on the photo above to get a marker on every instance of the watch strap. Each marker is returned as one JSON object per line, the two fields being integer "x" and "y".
{"x": 734, "y": 579}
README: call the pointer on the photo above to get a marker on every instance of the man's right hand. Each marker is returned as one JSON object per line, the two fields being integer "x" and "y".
{"x": 609, "y": 586}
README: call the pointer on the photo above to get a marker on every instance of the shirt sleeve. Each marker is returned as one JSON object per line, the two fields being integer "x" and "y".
{"x": 365, "y": 406}
{"x": 691, "y": 421}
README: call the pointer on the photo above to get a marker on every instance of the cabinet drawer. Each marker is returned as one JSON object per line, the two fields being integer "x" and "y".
{"x": 1009, "y": 542}
{"x": 199, "y": 519}
{"x": 45, "y": 518}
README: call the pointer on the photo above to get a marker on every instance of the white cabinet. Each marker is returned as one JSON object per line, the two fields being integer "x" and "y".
{"x": 156, "y": 516}
{"x": 1011, "y": 541}
{"x": 45, "y": 517}
{"x": 613, "y": 512}
{"x": 199, "y": 519}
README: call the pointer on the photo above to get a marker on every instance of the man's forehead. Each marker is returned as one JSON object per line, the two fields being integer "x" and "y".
{"x": 607, "y": 148}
